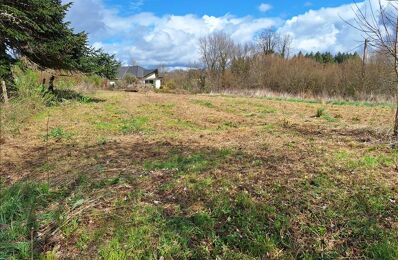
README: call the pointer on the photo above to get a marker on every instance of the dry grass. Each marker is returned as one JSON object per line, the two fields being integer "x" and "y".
{"x": 200, "y": 176}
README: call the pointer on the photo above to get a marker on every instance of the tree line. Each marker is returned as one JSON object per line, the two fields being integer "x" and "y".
{"x": 328, "y": 57}
{"x": 267, "y": 63}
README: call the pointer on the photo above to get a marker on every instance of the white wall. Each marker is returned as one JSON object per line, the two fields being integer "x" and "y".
{"x": 158, "y": 83}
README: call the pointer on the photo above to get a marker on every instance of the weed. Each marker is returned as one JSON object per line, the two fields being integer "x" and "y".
{"x": 59, "y": 133}
{"x": 320, "y": 112}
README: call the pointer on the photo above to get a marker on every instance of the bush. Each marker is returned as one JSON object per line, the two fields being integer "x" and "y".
{"x": 296, "y": 76}
{"x": 30, "y": 96}
{"x": 130, "y": 79}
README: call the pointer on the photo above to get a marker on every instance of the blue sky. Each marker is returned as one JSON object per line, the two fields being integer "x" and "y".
{"x": 158, "y": 32}
{"x": 283, "y": 9}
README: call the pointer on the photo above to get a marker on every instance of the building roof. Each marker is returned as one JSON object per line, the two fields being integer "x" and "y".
{"x": 136, "y": 71}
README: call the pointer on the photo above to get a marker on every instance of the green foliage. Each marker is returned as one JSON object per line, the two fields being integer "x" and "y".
{"x": 36, "y": 29}
{"x": 18, "y": 206}
{"x": 130, "y": 79}
{"x": 320, "y": 112}
{"x": 327, "y": 57}
{"x": 59, "y": 133}
{"x": 99, "y": 63}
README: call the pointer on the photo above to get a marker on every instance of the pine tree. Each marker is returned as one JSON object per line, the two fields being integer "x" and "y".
{"x": 100, "y": 63}
{"x": 35, "y": 29}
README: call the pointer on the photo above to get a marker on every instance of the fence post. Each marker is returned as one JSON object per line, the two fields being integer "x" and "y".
{"x": 5, "y": 95}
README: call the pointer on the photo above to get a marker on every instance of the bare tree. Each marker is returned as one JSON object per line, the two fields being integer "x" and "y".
{"x": 217, "y": 51}
{"x": 268, "y": 41}
{"x": 271, "y": 42}
{"x": 379, "y": 24}
{"x": 284, "y": 45}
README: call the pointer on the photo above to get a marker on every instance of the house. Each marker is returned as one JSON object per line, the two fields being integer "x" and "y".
{"x": 144, "y": 76}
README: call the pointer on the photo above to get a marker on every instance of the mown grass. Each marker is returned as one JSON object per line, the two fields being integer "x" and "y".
{"x": 335, "y": 102}
{"x": 204, "y": 103}
{"x": 124, "y": 125}
{"x": 142, "y": 178}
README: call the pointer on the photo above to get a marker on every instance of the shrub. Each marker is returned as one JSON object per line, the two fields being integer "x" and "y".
{"x": 130, "y": 79}
{"x": 320, "y": 112}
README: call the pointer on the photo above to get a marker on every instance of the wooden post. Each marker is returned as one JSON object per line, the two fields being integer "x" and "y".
{"x": 364, "y": 58}
{"x": 396, "y": 73}
{"x": 5, "y": 95}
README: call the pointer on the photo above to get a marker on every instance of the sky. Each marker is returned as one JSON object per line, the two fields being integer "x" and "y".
{"x": 157, "y": 32}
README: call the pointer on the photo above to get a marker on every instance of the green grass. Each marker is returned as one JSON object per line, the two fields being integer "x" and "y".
{"x": 196, "y": 162}
{"x": 203, "y": 103}
{"x": 59, "y": 133}
{"x": 334, "y": 102}
{"x": 322, "y": 113}
{"x": 261, "y": 192}
{"x": 133, "y": 125}
{"x": 367, "y": 161}
{"x": 228, "y": 125}
{"x": 233, "y": 229}
{"x": 19, "y": 205}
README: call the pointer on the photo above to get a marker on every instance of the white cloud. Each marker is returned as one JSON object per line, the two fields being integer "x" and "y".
{"x": 323, "y": 30}
{"x": 328, "y": 29}
{"x": 136, "y": 5}
{"x": 172, "y": 40}
{"x": 264, "y": 7}
{"x": 152, "y": 40}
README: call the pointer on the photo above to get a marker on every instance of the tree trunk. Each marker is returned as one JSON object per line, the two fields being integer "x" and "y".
{"x": 396, "y": 122}
{"x": 396, "y": 73}
{"x": 5, "y": 94}
{"x": 5, "y": 66}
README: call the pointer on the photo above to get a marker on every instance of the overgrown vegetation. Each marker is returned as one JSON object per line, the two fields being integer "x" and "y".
{"x": 32, "y": 97}
{"x": 297, "y": 76}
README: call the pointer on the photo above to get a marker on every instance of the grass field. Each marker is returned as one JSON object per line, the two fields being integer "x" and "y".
{"x": 131, "y": 175}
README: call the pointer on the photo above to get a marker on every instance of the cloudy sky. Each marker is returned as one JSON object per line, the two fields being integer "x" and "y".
{"x": 154, "y": 32}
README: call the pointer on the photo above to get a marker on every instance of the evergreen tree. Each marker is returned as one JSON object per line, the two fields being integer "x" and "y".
{"x": 300, "y": 54}
{"x": 100, "y": 63}
{"x": 35, "y": 29}
{"x": 327, "y": 57}
{"x": 318, "y": 57}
